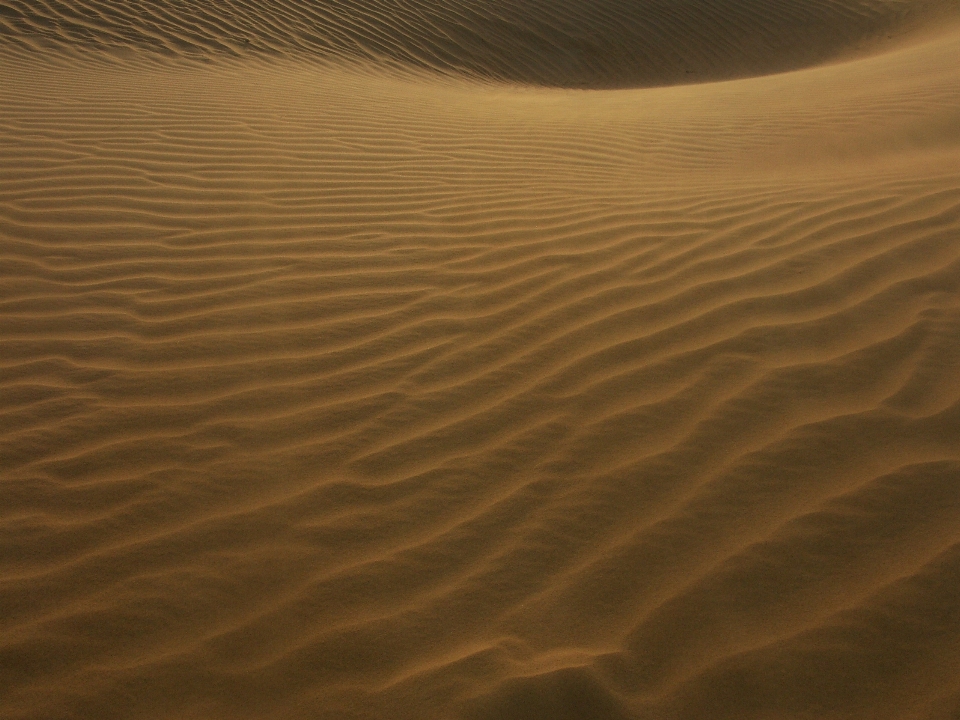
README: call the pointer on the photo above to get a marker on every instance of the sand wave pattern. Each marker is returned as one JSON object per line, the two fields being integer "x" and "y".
{"x": 566, "y": 43}
{"x": 333, "y": 393}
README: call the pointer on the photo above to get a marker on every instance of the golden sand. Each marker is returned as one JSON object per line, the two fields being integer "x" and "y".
{"x": 480, "y": 360}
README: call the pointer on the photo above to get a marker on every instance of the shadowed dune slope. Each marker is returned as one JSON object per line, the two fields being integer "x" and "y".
{"x": 334, "y": 393}
{"x": 566, "y": 43}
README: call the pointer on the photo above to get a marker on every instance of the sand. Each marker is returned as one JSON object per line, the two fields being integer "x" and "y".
{"x": 480, "y": 359}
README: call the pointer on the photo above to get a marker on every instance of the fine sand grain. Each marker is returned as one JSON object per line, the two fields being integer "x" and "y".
{"x": 480, "y": 359}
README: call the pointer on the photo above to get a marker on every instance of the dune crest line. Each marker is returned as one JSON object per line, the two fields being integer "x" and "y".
{"x": 555, "y": 43}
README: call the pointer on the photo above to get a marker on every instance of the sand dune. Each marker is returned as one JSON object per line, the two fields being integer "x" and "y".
{"x": 565, "y": 43}
{"x": 354, "y": 365}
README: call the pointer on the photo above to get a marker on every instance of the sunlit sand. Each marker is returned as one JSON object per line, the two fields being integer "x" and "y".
{"x": 480, "y": 360}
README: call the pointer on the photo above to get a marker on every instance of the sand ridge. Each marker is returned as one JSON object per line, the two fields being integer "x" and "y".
{"x": 557, "y": 43}
{"x": 330, "y": 391}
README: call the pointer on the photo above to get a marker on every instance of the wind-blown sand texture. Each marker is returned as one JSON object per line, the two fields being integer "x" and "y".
{"x": 480, "y": 359}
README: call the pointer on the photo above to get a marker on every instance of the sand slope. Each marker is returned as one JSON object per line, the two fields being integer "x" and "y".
{"x": 345, "y": 378}
{"x": 566, "y": 43}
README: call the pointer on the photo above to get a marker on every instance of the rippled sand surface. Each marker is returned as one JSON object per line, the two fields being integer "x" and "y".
{"x": 480, "y": 360}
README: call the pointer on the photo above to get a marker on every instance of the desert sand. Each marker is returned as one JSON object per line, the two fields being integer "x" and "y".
{"x": 480, "y": 359}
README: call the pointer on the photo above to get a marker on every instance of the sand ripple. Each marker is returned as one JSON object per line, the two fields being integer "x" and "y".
{"x": 563, "y": 43}
{"x": 328, "y": 393}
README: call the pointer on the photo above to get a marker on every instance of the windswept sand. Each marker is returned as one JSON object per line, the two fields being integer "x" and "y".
{"x": 480, "y": 359}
